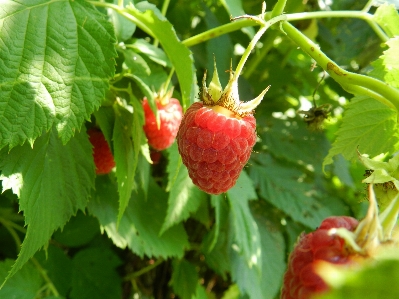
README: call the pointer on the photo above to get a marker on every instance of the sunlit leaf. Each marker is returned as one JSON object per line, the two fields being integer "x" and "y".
{"x": 49, "y": 67}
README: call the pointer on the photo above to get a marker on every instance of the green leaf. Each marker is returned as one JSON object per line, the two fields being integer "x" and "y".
{"x": 124, "y": 155}
{"x": 136, "y": 64}
{"x": 265, "y": 283}
{"x": 174, "y": 165}
{"x": 152, "y": 52}
{"x": 233, "y": 292}
{"x": 293, "y": 141}
{"x": 387, "y": 17}
{"x": 78, "y": 231}
{"x": 216, "y": 245}
{"x": 217, "y": 202}
{"x": 141, "y": 223}
{"x": 52, "y": 181}
{"x": 386, "y": 68}
{"x": 50, "y": 72}
{"x": 124, "y": 28}
{"x": 273, "y": 249}
{"x": 94, "y": 274}
{"x": 105, "y": 118}
{"x": 200, "y": 293}
{"x": 281, "y": 185}
{"x": 178, "y": 54}
{"x": 23, "y": 285}
{"x": 367, "y": 125}
{"x": 184, "y": 198}
{"x": 246, "y": 234}
{"x": 58, "y": 267}
{"x": 243, "y": 190}
{"x": 184, "y": 279}
{"x": 372, "y": 281}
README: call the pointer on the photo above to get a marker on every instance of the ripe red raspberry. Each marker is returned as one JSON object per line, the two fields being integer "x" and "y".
{"x": 301, "y": 280}
{"x": 102, "y": 155}
{"x": 170, "y": 115}
{"x": 216, "y": 136}
{"x": 215, "y": 147}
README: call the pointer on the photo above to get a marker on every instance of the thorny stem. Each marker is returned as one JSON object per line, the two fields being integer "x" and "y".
{"x": 143, "y": 270}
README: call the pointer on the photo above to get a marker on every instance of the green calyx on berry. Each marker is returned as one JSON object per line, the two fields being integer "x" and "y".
{"x": 227, "y": 101}
{"x": 384, "y": 176}
{"x": 374, "y": 230}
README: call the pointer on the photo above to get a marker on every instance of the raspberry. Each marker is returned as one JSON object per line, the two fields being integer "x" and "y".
{"x": 102, "y": 155}
{"x": 170, "y": 115}
{"x": 216, "y": 136}
{"x": 301, "y": 280}
{"x": 215, "y": 147}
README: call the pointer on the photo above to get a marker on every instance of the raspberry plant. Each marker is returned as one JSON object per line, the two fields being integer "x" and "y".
{"x": 146, "y": 230}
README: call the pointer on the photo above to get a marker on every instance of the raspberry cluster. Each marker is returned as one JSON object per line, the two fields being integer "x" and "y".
{"x": 215, "y": 147}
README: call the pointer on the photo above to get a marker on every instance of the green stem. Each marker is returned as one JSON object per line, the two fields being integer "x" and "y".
{"x": 254, "y": 62}
{"x": 43, "y": 273}
{"x": 253, "y": 42}
{"x": 368, "y": 5}
{"x": 143, "y": 270}
{"x": 349, "y": 81}
{"x": 279, "y": 8}
{"x": 234, "y": 26}
{"x": 362, "y": 15}
{"x": 9, "y": 226}
{"x": 124, "y": 12}
{"x": 218, "y": 31}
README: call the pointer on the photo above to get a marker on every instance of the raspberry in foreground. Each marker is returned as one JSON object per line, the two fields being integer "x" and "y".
{"x": 216, "y": 136}
{"x": 301, "y": 280}
{"x": 102, "y": 155}
{"x": 170, "y": 115}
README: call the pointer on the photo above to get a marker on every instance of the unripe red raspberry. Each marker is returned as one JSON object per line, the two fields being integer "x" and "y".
{"x": 216, "y": 136}
{"x": 170, "y": 115}
{"x": 301, "y": 280}
{"x": 102, "y": 155}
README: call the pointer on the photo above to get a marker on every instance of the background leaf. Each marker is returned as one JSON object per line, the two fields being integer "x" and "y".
{"x": 28, "y": 277}
{"x": 372, "y": 134}
{"x": 53, "y": 78}
{"x": 52, "y": 181}
{"x": 184, "y": 279}
{"x": 94, "y": 274}
{"x": 387, "y": 17}
{"x": 178, "y": 54}
{"x": 184, "y": 198}
{"x": 246, "y": 234}
{"x": 141, "y": 223}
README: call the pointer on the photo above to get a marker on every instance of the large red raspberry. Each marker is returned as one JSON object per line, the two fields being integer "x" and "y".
{"x": 301, "y": 280}
{"x": 215, "y": 147}
{"x": 216, "y": 136}
{"x": 170, "y": 115}
{"x": 102, "y": 155}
